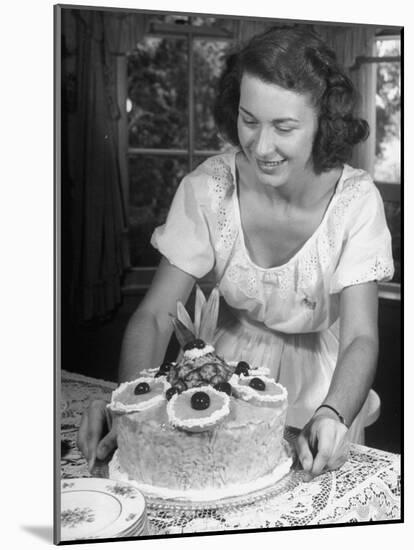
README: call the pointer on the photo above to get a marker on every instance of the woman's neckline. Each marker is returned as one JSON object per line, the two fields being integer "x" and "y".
{"x": 308, "y": 241}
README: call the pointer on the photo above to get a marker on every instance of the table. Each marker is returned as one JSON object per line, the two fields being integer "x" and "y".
{"x": 366, "y": 488}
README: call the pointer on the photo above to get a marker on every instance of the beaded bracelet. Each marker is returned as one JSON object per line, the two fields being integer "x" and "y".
{"x": 340, "y": 417}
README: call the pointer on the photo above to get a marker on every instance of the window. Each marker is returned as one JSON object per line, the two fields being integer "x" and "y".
{"x": 382, "y": 91}
{"x": 387, "y": 166}
{"x": 172, "y": 76}
{"x": 388, "y": 110}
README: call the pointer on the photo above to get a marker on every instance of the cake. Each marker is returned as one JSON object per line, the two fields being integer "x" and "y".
{"x": 200, "y": 428}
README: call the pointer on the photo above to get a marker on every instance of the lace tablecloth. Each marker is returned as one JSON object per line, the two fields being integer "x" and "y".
{"x": 366, "y": 488}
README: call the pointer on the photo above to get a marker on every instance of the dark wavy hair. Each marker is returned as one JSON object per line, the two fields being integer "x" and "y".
{"x": 295, "y": 58}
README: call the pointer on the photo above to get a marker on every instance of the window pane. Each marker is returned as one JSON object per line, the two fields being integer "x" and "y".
{"x": 158, "y": 94}
{"x": 388, "y": 120}
{"x": 387, "y": 46}
{"x": 209, "y": 58}
{"x": 153, "y": 181}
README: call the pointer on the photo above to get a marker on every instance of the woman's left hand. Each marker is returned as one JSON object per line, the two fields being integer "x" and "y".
{"x": 323, "y": 444}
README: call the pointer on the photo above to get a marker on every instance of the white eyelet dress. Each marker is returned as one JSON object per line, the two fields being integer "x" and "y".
{"x": 285, "y": 318}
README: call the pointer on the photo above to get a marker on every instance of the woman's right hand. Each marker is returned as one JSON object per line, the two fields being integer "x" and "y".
{"x": 96, "y": 436}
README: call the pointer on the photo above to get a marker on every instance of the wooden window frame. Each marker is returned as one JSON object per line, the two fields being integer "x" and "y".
{"x": 191, "y": 33}
{"x": 390, "y": 191}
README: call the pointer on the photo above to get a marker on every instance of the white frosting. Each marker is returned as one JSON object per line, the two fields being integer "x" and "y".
{"x": 203, "y": 495}
{"x": 195, "y": 353}
{"x": 260, "y": 371}
{"x": 256, "y": 371}
{"x": 201, "y": 423}
{"x": 152, "y": 371}
{"x": 117, "y": 406}
{"x": 248, "y": 393}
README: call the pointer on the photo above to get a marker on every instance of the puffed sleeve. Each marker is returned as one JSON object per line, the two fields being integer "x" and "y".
{"x": 366, "y": 252}
{"x": 184, "y": 239}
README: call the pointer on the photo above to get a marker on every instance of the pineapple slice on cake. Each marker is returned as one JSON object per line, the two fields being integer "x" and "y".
{"x": 199, "y": 364}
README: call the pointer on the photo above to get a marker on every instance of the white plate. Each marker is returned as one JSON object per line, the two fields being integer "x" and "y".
{"x": 99, "y": 508}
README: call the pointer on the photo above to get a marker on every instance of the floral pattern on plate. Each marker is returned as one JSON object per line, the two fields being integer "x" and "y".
{"x": 94, "y": 508}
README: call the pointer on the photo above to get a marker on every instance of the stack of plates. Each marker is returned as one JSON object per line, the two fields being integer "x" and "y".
{"x": 96, "y": 508}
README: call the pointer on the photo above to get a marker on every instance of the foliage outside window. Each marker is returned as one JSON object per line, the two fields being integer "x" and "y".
{"x": 387, "y": 170}
{"x": 388, "y": 111}
{"x": 172, "y": 78}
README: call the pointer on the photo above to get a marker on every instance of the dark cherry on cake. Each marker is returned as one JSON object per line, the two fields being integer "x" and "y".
{"x": 200, "y": 401}
{"x": 164, "y": 369}
{"x": 224, "y": 387}
{"x": 142, "y": 387}
{"x": 257, "y": 384}
{"x": 242, "y": 368}
{"x": 195, "y": 344}
{"x": 170, "y": 392}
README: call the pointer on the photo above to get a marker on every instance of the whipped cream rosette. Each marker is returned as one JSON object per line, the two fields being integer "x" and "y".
{"x": 198, "y": 409}
{"x": 259, "y": 371}
{"x": 139, "y": 395}
{"x": 197, "y": 352}
{"x": 150, "y": 372}
{"x": 259, "y": 390}
{"x": 244, "y": 368}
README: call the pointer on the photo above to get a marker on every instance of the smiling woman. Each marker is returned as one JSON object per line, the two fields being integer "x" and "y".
{"x": 276, "y": 129}
{"x": 320, "y": 79}
{"x": 294, "y": 238}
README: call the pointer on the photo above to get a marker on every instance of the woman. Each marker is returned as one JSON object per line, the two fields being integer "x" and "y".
{"x": 296, "y": 240}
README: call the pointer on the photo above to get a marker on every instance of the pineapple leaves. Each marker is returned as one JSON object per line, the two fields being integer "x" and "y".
{"x": 181, "y": 331}
{"x": 209, "y": 316}
{"x": 200, "y": 301}
{"x": 184, "y": 318}
{"x": 205, "y": 318}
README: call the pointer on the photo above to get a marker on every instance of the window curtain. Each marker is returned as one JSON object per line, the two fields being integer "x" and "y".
{"x": 349, "y": 43}
{"x": 95, "y": 251}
